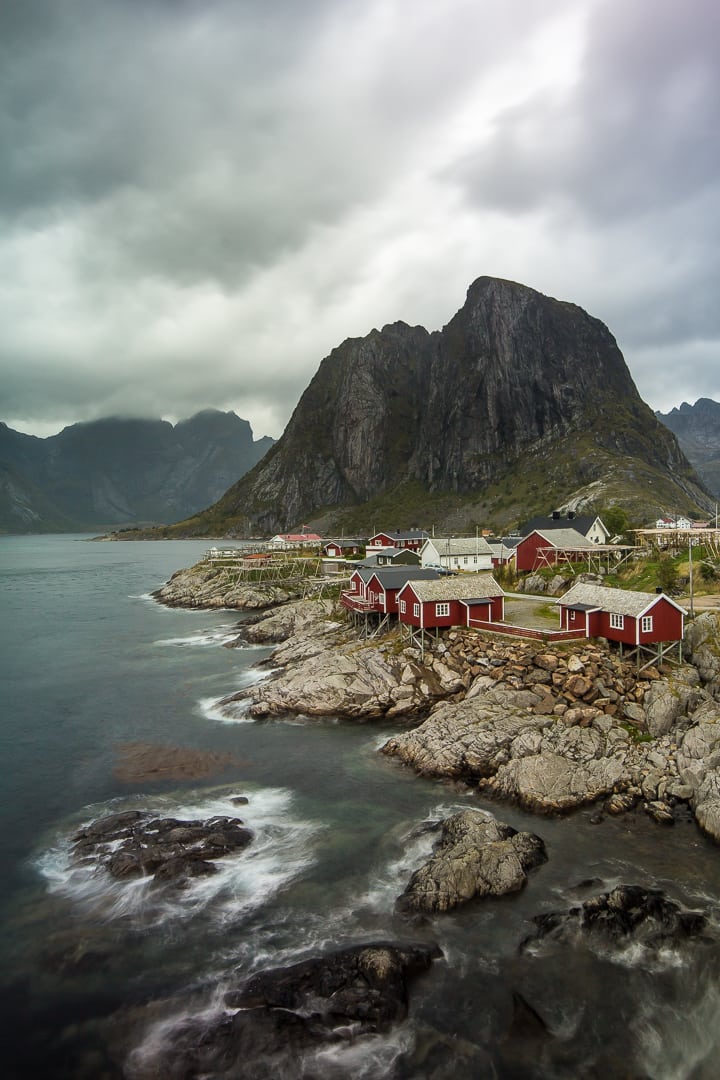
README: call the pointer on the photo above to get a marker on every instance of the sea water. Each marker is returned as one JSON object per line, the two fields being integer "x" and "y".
{"x": 91, "y": 663}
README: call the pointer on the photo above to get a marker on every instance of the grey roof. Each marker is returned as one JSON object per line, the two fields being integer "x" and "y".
{"x": 617, "y": 601}
{"x": 500, "y": 549}
{"x": 460, "y": 545}
{"x": 394, "y": 577}
{"x": 565, "y": 538}
{"x": 472, "y": 587}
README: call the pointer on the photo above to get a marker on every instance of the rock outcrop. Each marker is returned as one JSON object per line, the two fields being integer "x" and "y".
{"x": 280, "y": 1015}
{"x": 135, "y": 844}
{"x": 208, "y": 585}
{"x": 475, "y": 856}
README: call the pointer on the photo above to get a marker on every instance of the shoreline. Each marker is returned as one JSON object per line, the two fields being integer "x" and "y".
{"x": 550, "y": 728}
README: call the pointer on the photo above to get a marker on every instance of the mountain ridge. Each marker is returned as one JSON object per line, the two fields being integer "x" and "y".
{"x": 697, "y": 429}
{"x": 516, "y": 385}
{"x": 121, "y": 471}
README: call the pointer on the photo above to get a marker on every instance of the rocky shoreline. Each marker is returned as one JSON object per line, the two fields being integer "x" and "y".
{"x": 549, "y": 728}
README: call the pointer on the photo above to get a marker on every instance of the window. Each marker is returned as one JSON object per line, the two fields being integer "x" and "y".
{"x": 572, "y": 616}
{"x": 416, "y": 611}
{"x": 403, "y": 607}
{"x": 646, "y": 624}
{"x": 442, "y": 609}
{"x": 617, "y": 622}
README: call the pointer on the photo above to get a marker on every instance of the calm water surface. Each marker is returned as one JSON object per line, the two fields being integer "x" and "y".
{"x": 90, "y": 663}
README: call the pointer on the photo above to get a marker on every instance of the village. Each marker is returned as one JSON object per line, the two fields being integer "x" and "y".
{"x": 422, "y": 585}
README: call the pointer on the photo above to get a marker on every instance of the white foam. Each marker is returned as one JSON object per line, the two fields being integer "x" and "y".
{"x": 226, "y": 710}
{"x": 281, "y": 849}
{"x": 365, "y": 1058}
{"x": 416, "y": 846}
{"x": 200, "y": 639}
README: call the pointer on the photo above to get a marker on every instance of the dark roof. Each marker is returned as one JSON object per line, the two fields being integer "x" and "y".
{"x": 394, "y": 577}
{"x": 403, "y": 534}
{"x": 581, "y": 522}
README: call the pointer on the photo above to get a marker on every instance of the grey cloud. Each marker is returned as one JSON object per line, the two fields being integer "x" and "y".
{"x": 198, "y": 200}
{"x": 638, "y": 132}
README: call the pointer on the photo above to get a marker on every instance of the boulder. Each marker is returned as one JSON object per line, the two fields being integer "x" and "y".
{"x": 702, "y": 646}
{"x": 698, "y": 761}
{"x": 670, "y": 699}
{"x": 476, "y": 856}
{"x": 280, "y": 1014}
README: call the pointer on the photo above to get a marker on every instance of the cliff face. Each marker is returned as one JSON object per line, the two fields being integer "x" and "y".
{"x": 121, "y": 471}
{"x": 697, "y": 428}
{"x": 513, "y": 377}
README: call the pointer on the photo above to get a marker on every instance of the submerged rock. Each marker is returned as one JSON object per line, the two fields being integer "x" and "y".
{"x": 135, "y": 844}
{"x": 626, "y": 913}
{"x": 475, "y": 856}
{"x": 281, "y": 1014}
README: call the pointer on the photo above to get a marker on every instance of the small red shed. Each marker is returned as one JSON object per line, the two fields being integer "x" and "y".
{"x": 539, "y": 549}
{"x": 635, "y": 619}
{"x": 457, "y": 601}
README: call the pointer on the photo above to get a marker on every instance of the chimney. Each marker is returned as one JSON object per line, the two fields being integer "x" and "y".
{"x": 556, "y": 515}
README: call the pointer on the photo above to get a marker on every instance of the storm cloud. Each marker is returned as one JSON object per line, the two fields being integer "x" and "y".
{"x": 198, "y": 201}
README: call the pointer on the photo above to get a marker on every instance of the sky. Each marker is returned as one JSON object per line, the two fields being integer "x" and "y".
{"x": 200, "y": 199}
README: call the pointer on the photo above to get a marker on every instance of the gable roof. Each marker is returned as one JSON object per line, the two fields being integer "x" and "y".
{"x": 475, "y": 587}
{"x": 402, "y": 534}
{"x": 460, "y": 545}
{"x": 563, "y": 538}
{"x": 616, "y": 601}
{"x": 582, "y": 522}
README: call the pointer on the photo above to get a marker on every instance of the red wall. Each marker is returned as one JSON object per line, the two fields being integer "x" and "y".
{"x": 526, "y": 557}
{"x": 526, "y": 551}
{"x": 667, "y": 625}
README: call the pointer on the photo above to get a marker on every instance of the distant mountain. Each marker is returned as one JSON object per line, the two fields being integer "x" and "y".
{"x": 119, "y": 472}
{"x": 520, "y": 404}
{"x": 698, "y": 431}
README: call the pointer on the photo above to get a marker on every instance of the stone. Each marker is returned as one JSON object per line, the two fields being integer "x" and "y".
{"x": 475, "y": 857}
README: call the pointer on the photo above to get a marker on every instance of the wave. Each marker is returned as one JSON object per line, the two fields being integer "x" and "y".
{"x": 281, "y": 849}
{"x": 219, "y": 635}
{"x": 227, "y": 710}
{"x": 416, "y": 843}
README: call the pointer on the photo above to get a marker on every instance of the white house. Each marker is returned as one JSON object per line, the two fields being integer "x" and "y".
{"x": 471, "y": 553}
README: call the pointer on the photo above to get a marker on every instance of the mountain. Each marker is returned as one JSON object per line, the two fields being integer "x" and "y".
{"x": 118, "y": 471}
{"x": 697, "y": 428}
{"x": 518, "y": 405}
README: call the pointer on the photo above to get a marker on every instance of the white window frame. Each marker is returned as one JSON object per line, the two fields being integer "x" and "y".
{"x": 646, "y": 624}
{"x": 572, "y": 616}
{"x": 617, "y": 622}
{"x": 403, "y": 607}
{"x": 416, "y": 611}
{"x": 442, "y": 609}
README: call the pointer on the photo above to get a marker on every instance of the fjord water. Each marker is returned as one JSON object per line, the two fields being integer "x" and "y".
{"x": 91, "y": 663}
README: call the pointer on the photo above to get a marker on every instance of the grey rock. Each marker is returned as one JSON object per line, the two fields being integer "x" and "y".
{"x": 475, "y": 857}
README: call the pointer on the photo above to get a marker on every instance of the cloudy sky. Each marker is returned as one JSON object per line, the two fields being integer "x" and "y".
{"x": 199, "y": 199}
